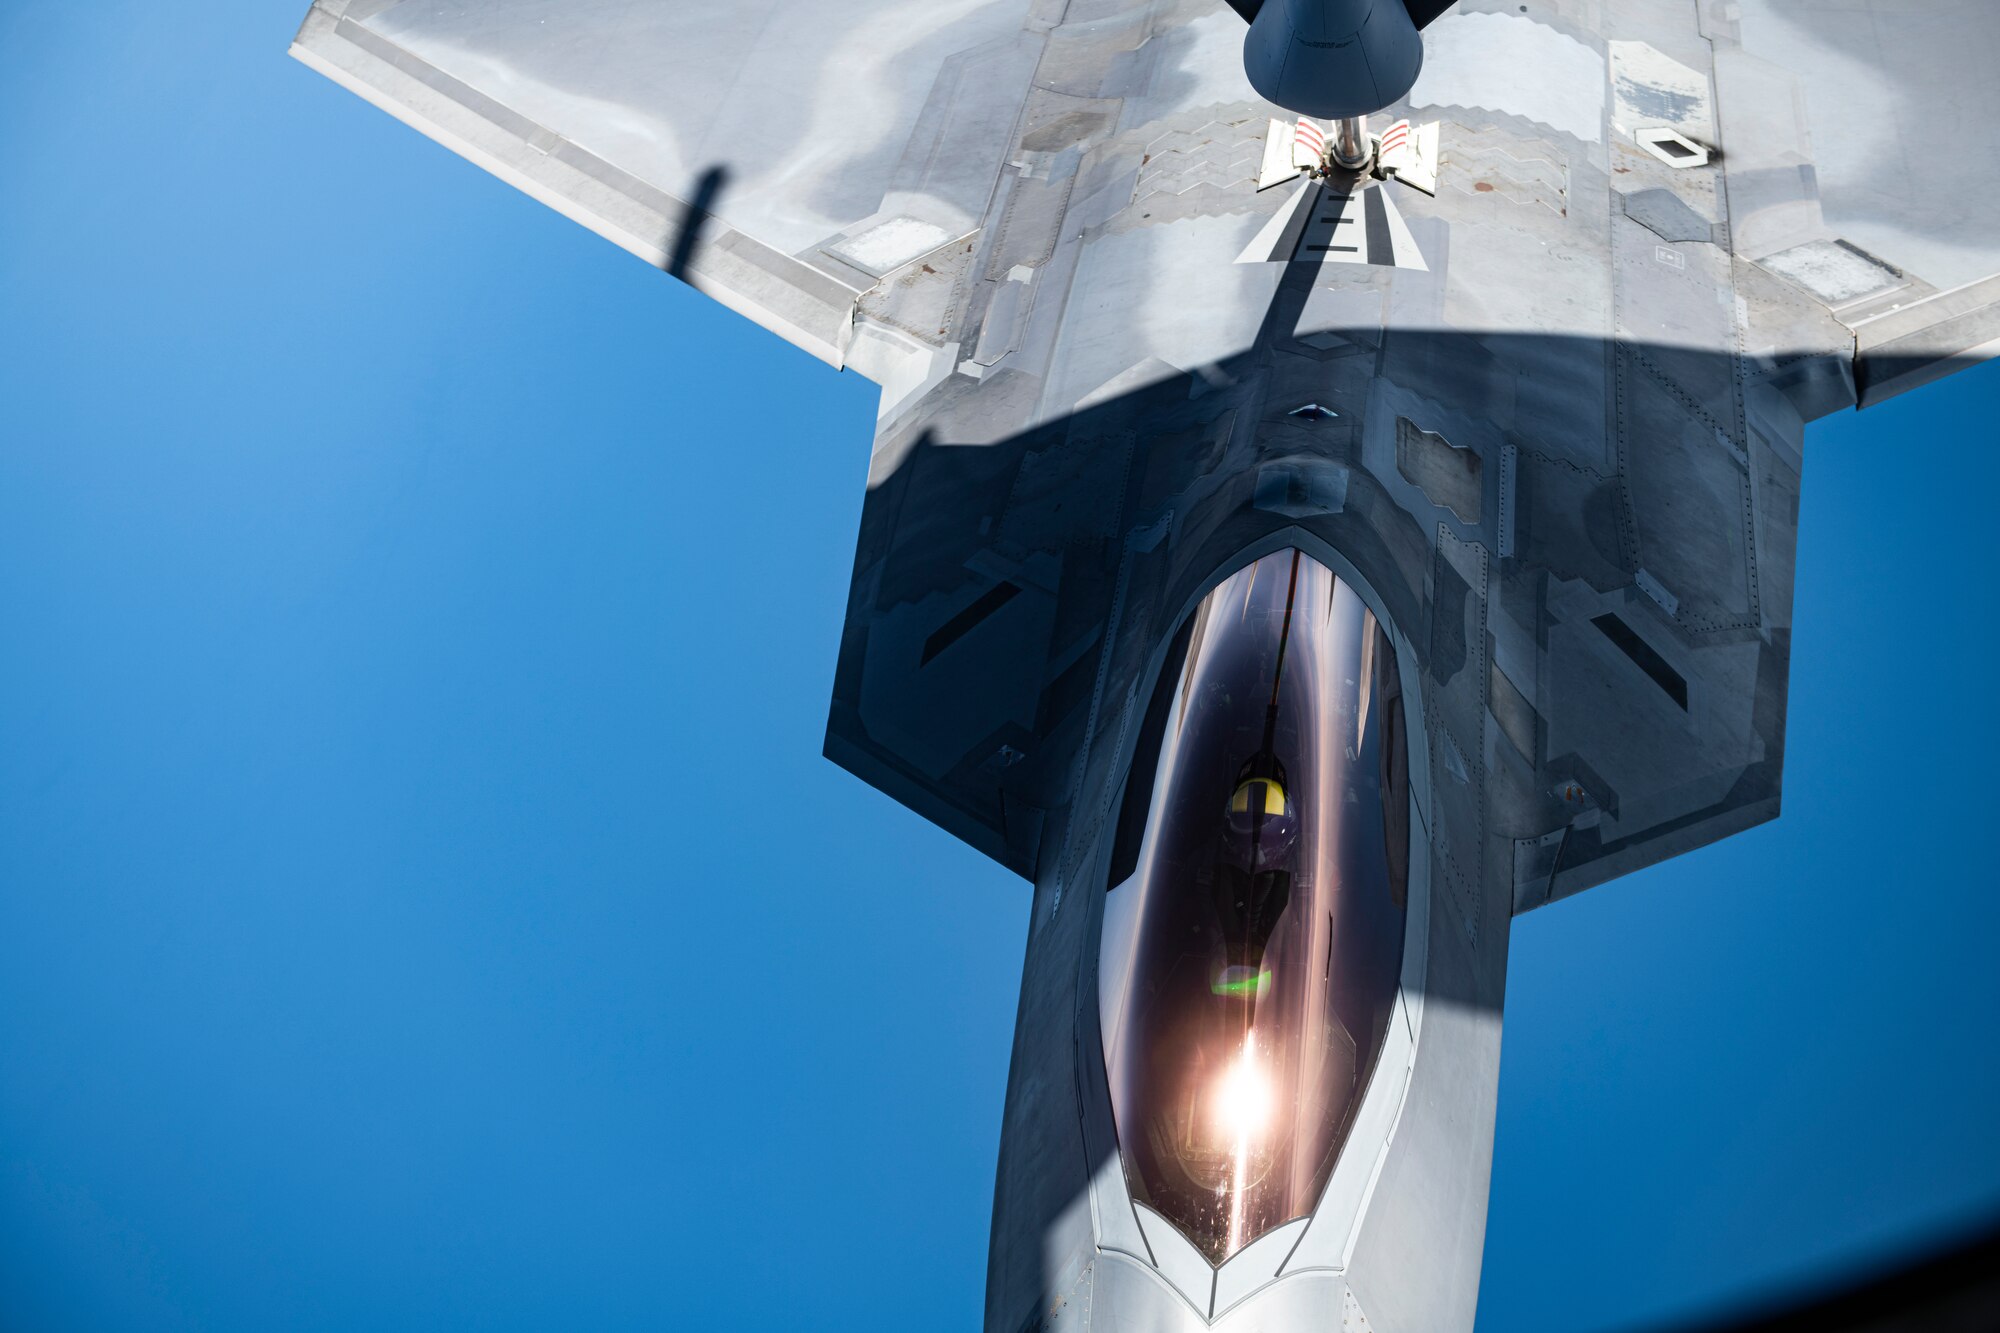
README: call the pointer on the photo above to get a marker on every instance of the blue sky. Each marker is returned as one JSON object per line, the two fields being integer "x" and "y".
{"x": 422, "y": 900}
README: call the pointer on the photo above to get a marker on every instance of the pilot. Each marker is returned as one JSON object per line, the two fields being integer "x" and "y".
{"x": 1262, "y": 825}
{"x": 1260, "y": 837}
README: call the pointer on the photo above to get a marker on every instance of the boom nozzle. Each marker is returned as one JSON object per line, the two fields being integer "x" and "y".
{"x": 1333, "y": 59}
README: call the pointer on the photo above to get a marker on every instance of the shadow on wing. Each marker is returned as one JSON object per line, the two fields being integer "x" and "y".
{"x": 695, "y": 218}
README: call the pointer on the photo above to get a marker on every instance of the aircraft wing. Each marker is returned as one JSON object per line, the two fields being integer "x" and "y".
{"x": 779, "y": 155}
{"x": 1565, "y": 388}
{"x": 1857, "y": 143}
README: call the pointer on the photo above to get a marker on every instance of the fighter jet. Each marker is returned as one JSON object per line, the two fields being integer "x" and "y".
{"x": 1335, "y": 490}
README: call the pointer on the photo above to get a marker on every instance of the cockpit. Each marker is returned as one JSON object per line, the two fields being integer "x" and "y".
{"x": 1254, "y": 917}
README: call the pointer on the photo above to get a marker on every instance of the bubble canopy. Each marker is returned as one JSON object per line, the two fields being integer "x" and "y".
{"x": 1253, "y": 924}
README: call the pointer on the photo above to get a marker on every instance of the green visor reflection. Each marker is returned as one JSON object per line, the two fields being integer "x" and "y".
{"x": 1241, "y": 981}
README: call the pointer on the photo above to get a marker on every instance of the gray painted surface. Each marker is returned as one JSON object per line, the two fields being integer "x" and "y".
{"x": 1562, "y": 456}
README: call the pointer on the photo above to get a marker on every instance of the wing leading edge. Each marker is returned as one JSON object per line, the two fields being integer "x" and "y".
{"x": 656, "y": 127}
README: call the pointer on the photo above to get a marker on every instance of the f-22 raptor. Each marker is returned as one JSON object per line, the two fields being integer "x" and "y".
{"x": 1296, "y": 548}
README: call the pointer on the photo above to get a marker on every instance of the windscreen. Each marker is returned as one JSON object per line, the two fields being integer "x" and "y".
{"x": 1251, "y": 955}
